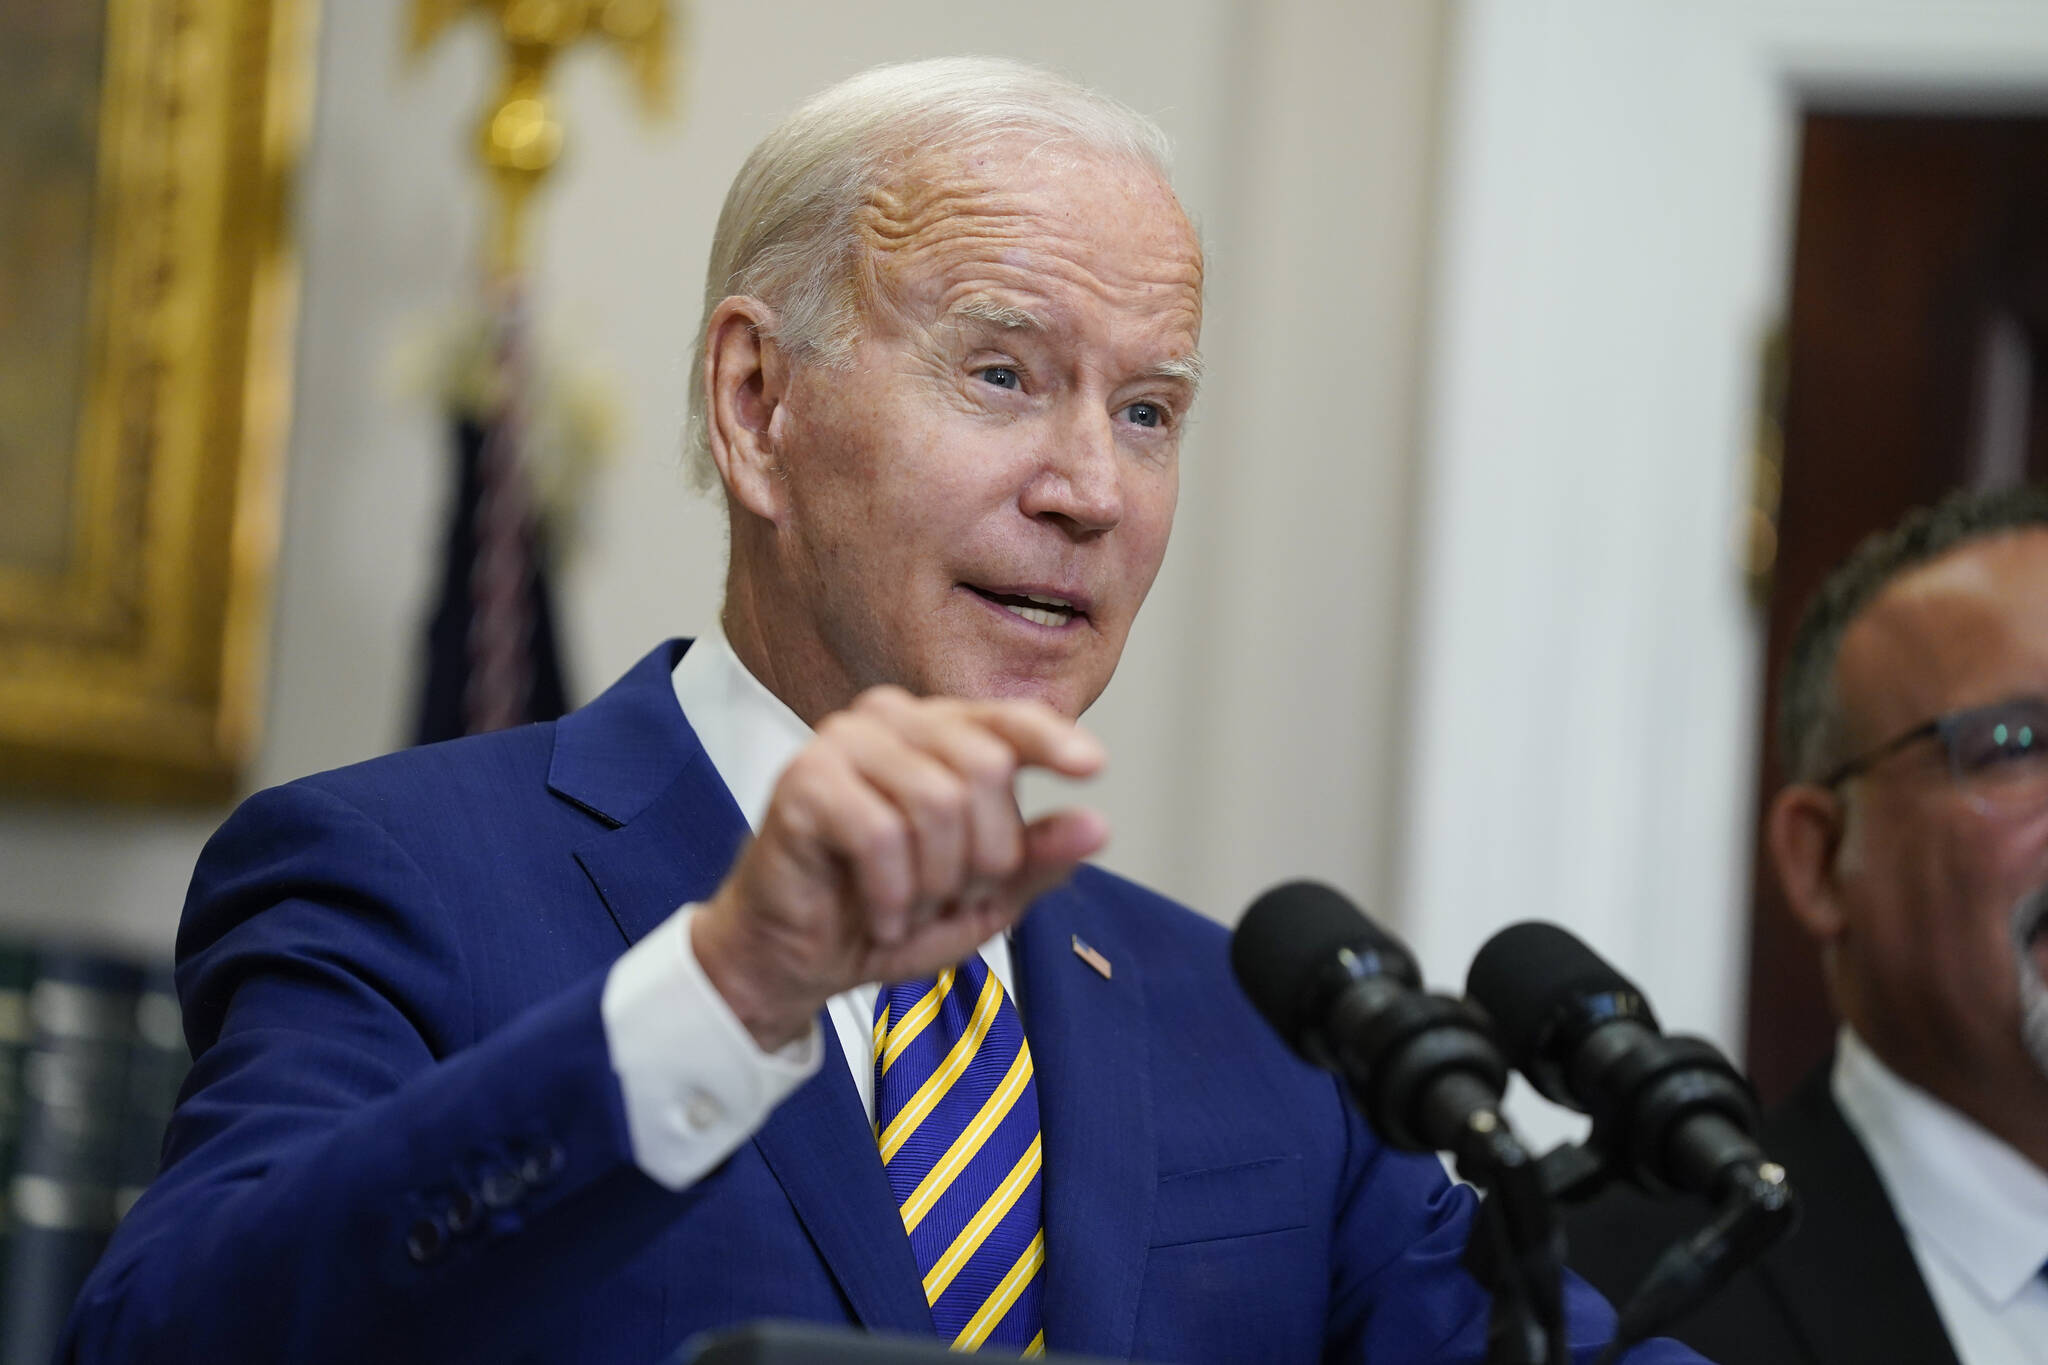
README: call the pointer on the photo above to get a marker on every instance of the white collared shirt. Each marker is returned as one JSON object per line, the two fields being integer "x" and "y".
{"x": 694, "y": 1083}
{"x": 1974, "y": 1210}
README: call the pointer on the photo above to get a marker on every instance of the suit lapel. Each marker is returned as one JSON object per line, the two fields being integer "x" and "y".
{"x": 1849, "y": 1249}
{"x": 1088, "y": 1047}
{"x": 674, "y": 852}
{"x": 631, "y": 760}
{"x": 820, "y": 1147}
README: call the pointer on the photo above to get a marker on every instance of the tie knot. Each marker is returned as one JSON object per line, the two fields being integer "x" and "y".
{"x": 897, "y": 998}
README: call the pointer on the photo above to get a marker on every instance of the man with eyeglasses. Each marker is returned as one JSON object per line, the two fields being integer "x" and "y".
{"x": 1912, "y": 843}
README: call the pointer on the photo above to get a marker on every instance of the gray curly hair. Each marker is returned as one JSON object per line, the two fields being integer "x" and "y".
{"x": 1813, "y": 729}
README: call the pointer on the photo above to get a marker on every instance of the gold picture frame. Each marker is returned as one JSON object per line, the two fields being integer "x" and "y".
{"x": 133, "y": 627}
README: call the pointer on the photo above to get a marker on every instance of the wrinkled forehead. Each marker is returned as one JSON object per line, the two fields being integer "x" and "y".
{"x": 1966, "y": 628}
{"x": 1034, "y": 215}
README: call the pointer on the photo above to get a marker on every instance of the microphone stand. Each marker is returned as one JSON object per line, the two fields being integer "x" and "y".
{"x": 1517, "y": 1248}
{"x": 1754, "y": 1203}
{"x": 1758, "y": 1207}
{"x": 1428, "y": 1076}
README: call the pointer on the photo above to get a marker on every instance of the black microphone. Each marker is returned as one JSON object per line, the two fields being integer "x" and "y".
{"x": 1346, "y": 996}
{"x": 1673, "y": 1112}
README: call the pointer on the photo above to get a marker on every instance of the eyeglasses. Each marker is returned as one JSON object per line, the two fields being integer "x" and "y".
{"x": 1997, "y": 754}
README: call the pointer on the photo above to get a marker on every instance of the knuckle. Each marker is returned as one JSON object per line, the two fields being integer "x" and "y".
{"x": 876, "y": 835}
{"x": 987, "y": 762}
{"x": 790, "y": 820}
{"x": 887, "y": 895}
{"x": 798, "y": 784}
{"x": 1036, "y": 711}
{"x": 840, "y": 727}
{"x": 811, "y": 776}
{"x": 939, "y": 798}
{"x": 884, "y": 698}
{"x": 998, "y": 857}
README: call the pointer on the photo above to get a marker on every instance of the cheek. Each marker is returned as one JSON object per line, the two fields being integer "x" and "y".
{"x": 1902, "y": 876}
{"x": 845, "y": 466}
{"x": 1148, "y": 520}
{"x": 1948, "y": 900}
{"x": 2000, "y": 860}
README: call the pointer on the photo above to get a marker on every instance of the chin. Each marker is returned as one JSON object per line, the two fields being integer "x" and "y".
{"x": 1060, "y": 697}
{"x": 1064, "y": 695}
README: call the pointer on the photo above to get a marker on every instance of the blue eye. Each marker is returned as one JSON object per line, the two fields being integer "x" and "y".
{"x": 1002, "y": 376}
{"x": 1146, "y": 414}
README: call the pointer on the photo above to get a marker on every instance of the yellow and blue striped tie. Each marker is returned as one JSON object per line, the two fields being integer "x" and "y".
{"x": 956, "y": 1115}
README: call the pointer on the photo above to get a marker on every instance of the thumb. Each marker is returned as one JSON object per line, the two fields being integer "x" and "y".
{"x": 1054, "y": 845}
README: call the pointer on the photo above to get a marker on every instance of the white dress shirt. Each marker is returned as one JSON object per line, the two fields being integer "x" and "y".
{"x": 1974, "y": 1210}
{"x": 694, "y": 1083}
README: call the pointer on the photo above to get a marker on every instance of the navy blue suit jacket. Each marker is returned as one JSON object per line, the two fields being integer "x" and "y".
{"x": 402, "y": 1138}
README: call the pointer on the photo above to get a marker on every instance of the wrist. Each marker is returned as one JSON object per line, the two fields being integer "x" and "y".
{"x": 759, "y": 997}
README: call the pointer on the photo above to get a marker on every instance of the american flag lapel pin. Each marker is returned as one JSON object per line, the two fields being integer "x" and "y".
{"x": 1092, "y": 958}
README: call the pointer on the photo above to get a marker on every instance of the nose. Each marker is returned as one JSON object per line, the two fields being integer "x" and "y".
{"x": 1078, "y": 485}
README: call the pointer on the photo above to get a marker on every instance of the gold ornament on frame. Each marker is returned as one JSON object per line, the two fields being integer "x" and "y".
{"x": 520, "y": 138}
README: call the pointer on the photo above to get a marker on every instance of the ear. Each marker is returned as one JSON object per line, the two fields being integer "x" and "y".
{"x": 1804, "y": 831}
{"x": 745, "y": 378}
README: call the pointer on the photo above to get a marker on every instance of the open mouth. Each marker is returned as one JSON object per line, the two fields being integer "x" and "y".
{"x": 1041, "y": 609}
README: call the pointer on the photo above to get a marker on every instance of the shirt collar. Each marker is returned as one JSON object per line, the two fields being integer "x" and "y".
{"x": 747, "y": 732}
{"x": 1956, "y": 1188}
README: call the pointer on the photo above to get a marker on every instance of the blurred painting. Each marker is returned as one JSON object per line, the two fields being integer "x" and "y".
{"x": 146, "y": 284}
{"x": 50, "y": 64}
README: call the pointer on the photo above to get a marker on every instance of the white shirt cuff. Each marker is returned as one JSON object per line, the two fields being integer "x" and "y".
{"x": 695, "y": 1083}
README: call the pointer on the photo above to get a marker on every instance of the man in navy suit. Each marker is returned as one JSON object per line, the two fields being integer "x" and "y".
{"x": 561, "y": 1043}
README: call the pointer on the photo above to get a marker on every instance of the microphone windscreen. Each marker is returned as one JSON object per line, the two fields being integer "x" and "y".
{"x": 1286, "y": 944}
{"x": 1529, "y": 975}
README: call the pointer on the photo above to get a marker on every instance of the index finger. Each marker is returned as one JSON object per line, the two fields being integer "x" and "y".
{"x": 1040, "y": 736}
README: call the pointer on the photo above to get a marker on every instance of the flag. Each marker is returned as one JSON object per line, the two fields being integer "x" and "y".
{"x": 493, "y": 659}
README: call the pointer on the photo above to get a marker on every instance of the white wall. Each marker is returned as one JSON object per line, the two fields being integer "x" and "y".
{"x": 1253, "y": 726}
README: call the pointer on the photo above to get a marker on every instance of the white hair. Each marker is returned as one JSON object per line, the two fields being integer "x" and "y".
{"x": 787, "y": 234}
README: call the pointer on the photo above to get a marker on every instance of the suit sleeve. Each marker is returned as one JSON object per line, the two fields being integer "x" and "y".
{"x": 351, "y": 1174}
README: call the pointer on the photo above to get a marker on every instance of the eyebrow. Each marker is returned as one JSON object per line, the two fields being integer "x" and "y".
{"x": 1186, "y": 369}
{"x": 982, "y": 308}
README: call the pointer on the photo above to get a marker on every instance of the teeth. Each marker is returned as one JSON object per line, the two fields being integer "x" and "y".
{"x": 1040, "y": 615}
{"x": 1047, "y": 601}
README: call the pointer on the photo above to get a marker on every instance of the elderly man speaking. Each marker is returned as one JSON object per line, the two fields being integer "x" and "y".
{"x": 521, "y": 1048}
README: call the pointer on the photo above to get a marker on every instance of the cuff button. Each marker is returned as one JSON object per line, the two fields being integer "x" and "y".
{"x": 501, "y": 1188}
{"x": 700, "y": 1111}
{"x": 426, "y": 1241}
{"x": 465, "y": 1214}
{"x": 542, "y": 1164}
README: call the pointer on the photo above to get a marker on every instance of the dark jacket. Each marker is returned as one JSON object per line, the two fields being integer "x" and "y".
{"x": 1842, "y": 1289}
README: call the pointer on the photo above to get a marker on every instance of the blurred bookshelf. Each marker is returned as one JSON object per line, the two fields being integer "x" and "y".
{"x": 92, "y": 1054}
